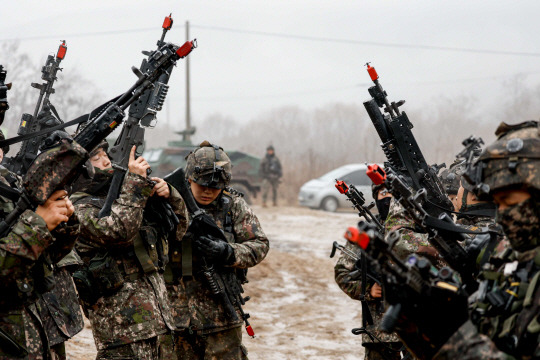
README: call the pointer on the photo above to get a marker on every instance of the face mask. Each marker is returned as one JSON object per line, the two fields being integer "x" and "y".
{"x": 521, "y": 225}
{"x": 383, "y": 206}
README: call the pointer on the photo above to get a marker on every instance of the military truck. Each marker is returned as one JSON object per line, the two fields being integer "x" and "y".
{"x": 245, "y": 179}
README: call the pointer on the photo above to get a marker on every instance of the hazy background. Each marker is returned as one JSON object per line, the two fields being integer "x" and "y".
{"x": 291, "y": 73}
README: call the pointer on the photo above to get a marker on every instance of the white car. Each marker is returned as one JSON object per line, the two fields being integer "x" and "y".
{"x": 321, "y": 193}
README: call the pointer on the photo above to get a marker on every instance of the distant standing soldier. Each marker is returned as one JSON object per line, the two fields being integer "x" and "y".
{"x": 271, "y": 173}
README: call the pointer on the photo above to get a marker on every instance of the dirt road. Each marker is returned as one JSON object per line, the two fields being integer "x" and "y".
{"x": 297, "y": 310}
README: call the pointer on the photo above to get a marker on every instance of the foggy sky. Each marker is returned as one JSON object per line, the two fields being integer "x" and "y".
{"x": 243, "y": 75}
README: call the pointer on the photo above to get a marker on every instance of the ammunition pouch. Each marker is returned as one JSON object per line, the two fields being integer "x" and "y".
{"x": 151, "y": 250}
{"x": 101, "y": 277}
{"x": 43, "y": 273}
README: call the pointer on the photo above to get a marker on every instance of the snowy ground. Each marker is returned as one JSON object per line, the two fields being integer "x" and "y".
{"x": 297, "y": 310}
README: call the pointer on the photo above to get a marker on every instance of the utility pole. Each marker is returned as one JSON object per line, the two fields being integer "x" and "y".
{"x": 188, "y": 110}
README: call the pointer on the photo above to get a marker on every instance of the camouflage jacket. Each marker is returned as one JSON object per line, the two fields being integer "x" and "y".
{"x": 193, "y": 304}
{"x": 20, "y": 250}
{"x": 271, "y": 167}
{"x": 512, "y": 332}
{"x": 344, "y": 266}
{"x": 410, "y": 241}
{"x": 137, "y": 308}
{"x": 59, "y": 308}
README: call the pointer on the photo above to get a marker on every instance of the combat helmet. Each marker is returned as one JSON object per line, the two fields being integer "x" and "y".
{"x": 451, "y": 177}
{"x": 102, "y": 145}
{"x": 5, "y": 149}
{"x": 4, "y": 104}
{"x": 511, "y": 162}
{"x": 209, "y": 166}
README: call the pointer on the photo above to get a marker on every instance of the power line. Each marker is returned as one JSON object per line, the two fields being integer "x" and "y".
{"x": 361, "y": 85}
{"x": 288, "y": 36}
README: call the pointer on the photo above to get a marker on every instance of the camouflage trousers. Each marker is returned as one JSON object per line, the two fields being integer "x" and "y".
{"x": 140, "y": 350}
{"x": 221, "y": 345}
{"x": 268, "y": 184}
{"x": 380, "y": 352}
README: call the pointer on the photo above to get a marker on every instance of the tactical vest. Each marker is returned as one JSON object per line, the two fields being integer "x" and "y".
{"x": 181, "y": 260}
{"x": 107, "y": 270}
{"x": 508, "y": 303}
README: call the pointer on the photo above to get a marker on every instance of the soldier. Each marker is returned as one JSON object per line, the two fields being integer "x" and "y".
{"x": 271, "y": 172}
{"x": 26, "y": 254}
{"x": 204, "y": 331}
{"x": 122, "y": 291}
{"x": 367, "y": 289}
{"x": 451, "y": 179}
{"x": 505, "y": 316}
{"x": 410, "y": 241}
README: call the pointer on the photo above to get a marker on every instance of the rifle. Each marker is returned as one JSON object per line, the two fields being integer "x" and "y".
{"x": 412, "y": 289}
{"x": 400, "y": 146}
{"x": 42, "y": 117}
{"x": 358, "y": 200}
{"x": 141, "y": 114}
{"x": 223, "y": 282}
{"x": 58, "y": 167}
{"x": 356, "y": 274}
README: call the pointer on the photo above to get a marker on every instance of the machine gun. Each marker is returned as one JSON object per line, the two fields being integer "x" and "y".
{"x": 412, "y": 289}
{"x": 358, "y": 200}
{"x": 59, "y": 166}
{"x": 42, "y": 117}
{"x": 141, "y": 115}
{"x": 223, "y": 282}
{"x": 401, "y": 149}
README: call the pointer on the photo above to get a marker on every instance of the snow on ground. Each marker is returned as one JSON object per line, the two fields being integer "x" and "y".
{"x": 296, "y": 308}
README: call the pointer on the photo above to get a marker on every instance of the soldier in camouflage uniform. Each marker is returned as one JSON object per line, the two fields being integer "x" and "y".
{"x": 204, "y": 330}
{"x": 122, "y": 291}
{"x": 271, "y": 172}
{"x": 504, "y": 323}
{"x": 27, "y": 253}
{"x": 410, "y": 241}
{"x": 378, "y": 345}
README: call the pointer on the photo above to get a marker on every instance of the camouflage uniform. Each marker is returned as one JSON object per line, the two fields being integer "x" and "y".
{"x": 510, "y": 330}
{"x": 342, "y": 271}
{"x": 26, "y": 254}
{"x": 410, "y": 241}
{"x": 131, "y": 308}
{"x": 271, "y": 172}
{"x": 204, "y": 331}
{"x": 197, "y": 313}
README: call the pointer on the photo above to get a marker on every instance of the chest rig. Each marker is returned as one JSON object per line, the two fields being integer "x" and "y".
{"x": 507, "y": 308}
{"x": 182, "y": 260}
{"x": 106, "y": 270}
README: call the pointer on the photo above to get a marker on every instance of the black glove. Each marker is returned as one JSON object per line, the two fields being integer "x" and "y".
{"x": 215, "y": 250}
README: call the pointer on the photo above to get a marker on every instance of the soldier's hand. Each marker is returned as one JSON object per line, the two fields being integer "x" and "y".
{"x": 139, "y": 165}
{"x": 161, "y": 188}
{"x": 215, "y": 250}
{"x": 56, "y": 209}
{"x": 376, "y": 291}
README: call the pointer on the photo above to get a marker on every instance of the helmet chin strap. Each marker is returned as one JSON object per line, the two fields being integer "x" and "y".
{"x": 480, "y": 209}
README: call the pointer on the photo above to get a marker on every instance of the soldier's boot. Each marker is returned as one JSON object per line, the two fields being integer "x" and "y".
{"x": 264, "y": 204}
{"x": 275, "y": 203}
